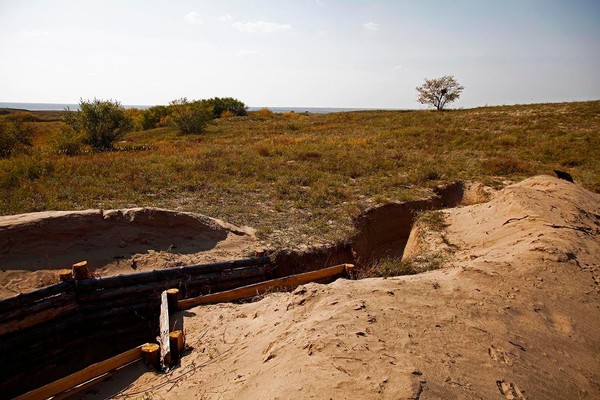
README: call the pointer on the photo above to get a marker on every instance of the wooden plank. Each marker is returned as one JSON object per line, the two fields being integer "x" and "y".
{"x": 82, "y": 376}
{"x": 163, "y": 339}
{"x": 260, "y": 288}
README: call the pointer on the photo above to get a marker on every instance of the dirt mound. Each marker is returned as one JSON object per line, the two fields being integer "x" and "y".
{"x": 34, "y": 246}
{"x": 515, "y": 315}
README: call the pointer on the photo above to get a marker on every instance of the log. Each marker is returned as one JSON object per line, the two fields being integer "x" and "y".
{"x": 131, "y": 301}
{"x": 156, "y": 288}
{"x": 260, "y": 288}
{"x": 171, "y": 273}
{"x": 150, "y": 354}
{"x": 56, "y": 301}
{"x": 20, "y": 300}
{"x": 37, "y": 318}
{"x": 173, "y": 298}
{"x": 65, "y": 275}
{"x": 82, "y": 376}
{"x": 163, "y": 339}
{"x": 177, "y": 344}
{"x": 81, "y": 271}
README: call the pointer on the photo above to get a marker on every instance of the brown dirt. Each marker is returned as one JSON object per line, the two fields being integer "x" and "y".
{"x": 513, "y": 314}
{"x": 33, "y": 247}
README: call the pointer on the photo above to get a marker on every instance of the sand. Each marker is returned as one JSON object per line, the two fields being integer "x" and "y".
{"x": 514, "y": 313}
{"x": 35, "y": 246}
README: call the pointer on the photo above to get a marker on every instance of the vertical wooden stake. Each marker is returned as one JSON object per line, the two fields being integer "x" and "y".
{"x": 65, "y": 275}
{"x": 349, "y": 269}
{"x": 150, "y": 355}
{"x": 163, "y": 339}
{"x": 173, "y": 300}
{"x": 259, "y": 252}
{"x": 81, "y": 270}
{"x": 177, "y": 343}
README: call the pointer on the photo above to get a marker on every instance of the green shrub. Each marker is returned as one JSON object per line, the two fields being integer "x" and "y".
{"x": 220, "y": 105}
{"x": 155, "y": 117}
{"x": 190, "y": 117}
{"x": 101, "y": 122}
{"x": 15, "y": 134}
{"x": 68, "y": 142}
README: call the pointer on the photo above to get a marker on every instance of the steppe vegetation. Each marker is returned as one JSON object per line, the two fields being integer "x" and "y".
{"x": 299, "y": 178}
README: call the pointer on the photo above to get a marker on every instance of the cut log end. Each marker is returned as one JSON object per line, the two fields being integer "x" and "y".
{"x": 65, "y": 275}
{"x": 150, "y": 354}
{"x": 177, "y": 342}
{"x": 81, "y": 271}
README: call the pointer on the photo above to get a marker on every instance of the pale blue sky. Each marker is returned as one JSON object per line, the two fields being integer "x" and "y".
{"x": 303, "y": 53}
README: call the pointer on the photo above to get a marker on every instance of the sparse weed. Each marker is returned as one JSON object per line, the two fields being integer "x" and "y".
{"x": 386, "y": 267}
{"x": 432, "y": 220}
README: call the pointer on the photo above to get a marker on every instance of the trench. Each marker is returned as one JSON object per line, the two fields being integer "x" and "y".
{"x": 98, "y": 319}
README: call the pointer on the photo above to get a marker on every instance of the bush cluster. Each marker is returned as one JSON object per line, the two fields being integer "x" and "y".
{"x": 15, "y": 134}
{"x": 191, "y": 116}
{"x": 99, "y": 122}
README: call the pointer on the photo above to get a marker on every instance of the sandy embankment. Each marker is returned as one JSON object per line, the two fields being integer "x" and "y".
{"x": 514, "y": 313}
{"x": 33, "y": 247}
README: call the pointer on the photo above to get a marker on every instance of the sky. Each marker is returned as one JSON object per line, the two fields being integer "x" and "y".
{"x": 303, "y": 53}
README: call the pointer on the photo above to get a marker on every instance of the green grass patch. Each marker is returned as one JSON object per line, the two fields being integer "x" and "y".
{"x": 301, "y": 178}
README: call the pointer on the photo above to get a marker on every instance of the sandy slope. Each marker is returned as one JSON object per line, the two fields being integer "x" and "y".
{"x": 34, "y": 246}
{"x": 514, "y": 314}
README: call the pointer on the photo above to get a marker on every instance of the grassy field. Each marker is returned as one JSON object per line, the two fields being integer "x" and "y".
{"x": 301, "y": 178}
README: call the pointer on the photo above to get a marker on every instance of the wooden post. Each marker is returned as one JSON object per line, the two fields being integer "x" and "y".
{"x": 81, "y": 271}
{"x": 173, "y": 300}
{"x": 65, "y": 275}
{"x": 177, "y": 343}
{"x": 163, "y": 339}
{"x": 150, "y": 355}
{"x": 259, "y": 252}
{"x": 349, "y": 270}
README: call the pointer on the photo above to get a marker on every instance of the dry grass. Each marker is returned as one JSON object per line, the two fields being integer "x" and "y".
{"x": 301, "y": 179}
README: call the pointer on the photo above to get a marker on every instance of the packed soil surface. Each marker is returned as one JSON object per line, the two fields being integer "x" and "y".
{"x": 34, "y": 247}
{"x": 513, "y": 313}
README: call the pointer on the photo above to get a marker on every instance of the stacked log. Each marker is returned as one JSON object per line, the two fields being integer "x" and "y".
{"x": 45, "y": 334}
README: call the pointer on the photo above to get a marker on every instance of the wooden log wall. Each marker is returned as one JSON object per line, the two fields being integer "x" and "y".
{"x": 60, "y": 329}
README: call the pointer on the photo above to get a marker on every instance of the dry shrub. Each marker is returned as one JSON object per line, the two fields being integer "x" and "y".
{"x": 263, "y": 151}
{"x": 386, "y": 267}
{"x": 309, "y": 155}
{"x": 290, "y": 114}
{"x": 264, "y": 113}
{"x": 227, "y": 114}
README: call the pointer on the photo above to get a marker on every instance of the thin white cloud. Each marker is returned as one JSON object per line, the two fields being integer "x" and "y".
{"x": 225, "y": 18}
{"x": 261, "y": 27}
{"x": 247, "y": 54}
{"x": 397, "y": 67}
{"x": 193, "y": 18}
{"x": 37, "y": 33}
{"x": 371, "y": 26}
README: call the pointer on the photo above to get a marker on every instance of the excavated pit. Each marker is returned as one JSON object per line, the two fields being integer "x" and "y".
{"x": 381, "y": 231}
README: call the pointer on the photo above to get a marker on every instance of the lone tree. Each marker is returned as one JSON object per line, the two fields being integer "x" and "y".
{"x": 439, "y": 91}
{"x": 100, "y": 122}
